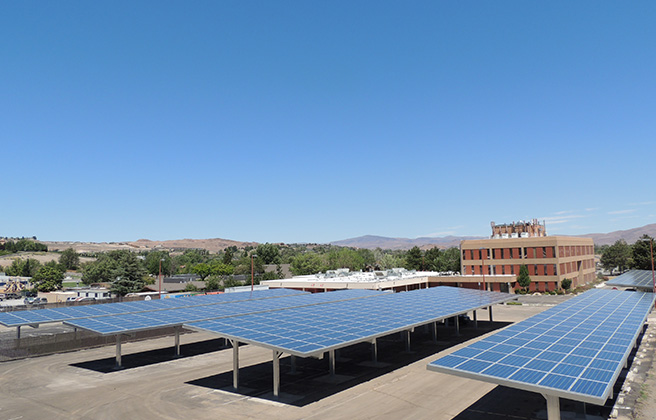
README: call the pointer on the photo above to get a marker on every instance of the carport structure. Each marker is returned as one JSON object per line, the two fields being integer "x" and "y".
{"x": 575, "y": 350}
{"x": 312, "y": 331}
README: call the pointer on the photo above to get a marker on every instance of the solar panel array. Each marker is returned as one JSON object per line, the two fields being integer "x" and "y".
{"x": 315, "y": 329}
{"x": 574, "y": 350}
{"x": 642, "y": 279}
{"x": 132, "y": 322}
{"x": 40, "y": 316}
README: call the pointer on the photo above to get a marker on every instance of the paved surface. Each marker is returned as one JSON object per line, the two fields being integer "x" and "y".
{"x": 154, "y": 385}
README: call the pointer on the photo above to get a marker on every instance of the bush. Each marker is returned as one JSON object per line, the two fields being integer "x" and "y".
{"x": 566, "y": 284}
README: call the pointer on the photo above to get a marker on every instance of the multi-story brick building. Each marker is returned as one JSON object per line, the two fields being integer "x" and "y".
{"x": 549, "y": 259}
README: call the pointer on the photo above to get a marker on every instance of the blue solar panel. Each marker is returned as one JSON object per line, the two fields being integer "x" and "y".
{"x": 39, "y": 316}
{"x": 576, "y": 349}
{"x": 642, "y": 279}
{"x": 339, "y": 324}
{"x": 124, "y": 323}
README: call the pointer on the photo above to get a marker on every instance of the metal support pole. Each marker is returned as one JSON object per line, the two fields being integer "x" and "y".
{"x": 435, "y": 332}
{"x": 177, "y": 341}
{"x": 490, "y": 311}
{"x": 407, "y": 341}
{"x": 553, "y": 407}
{"x": 475, "y": 320}
{"x": 374, "y": 350}
{"x": 118, "y": 351}
{"x": 18, "y": 332}
{"x": 331, "y": 362}
{"x": 235, "y": 364}
{"x": 457, "y": 320}
{"x": 293, "y": 363}
{"x": 276, "y": 372}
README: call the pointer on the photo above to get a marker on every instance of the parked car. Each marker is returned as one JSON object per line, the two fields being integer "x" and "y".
{"x": 30, "y": 300}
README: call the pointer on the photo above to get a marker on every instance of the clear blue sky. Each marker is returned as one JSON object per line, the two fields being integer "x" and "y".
{"x": 314, "y": 121}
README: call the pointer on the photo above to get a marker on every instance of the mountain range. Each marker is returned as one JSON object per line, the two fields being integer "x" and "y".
{"x": 368, "y": 241}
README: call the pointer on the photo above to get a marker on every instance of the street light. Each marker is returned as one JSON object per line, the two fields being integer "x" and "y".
{"x": 252, "y": 272}
{"x": 160, "y": 277}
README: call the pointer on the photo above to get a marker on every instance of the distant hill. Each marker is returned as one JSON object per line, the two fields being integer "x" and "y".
{"x": 630, "y": 235}
{"x": 373, "y": 242}
{"x": 368, "y": 241}
{"x": 212, "y": 245}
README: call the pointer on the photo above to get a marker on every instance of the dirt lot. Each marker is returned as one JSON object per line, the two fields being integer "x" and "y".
{"x": 153, "y": 384}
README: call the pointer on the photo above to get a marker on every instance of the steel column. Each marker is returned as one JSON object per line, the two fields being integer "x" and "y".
{"x": 374, "y": 350}
{"x": 490, "y": 310}
{"x": 235, "y": 364}
{"x": 435, "y": 332}
{"x": 457, "y": 321}
{"x": 407, "y": 341}
{"x": 553, "y": 407}
{"x": 18, "y": 332}
{"x": 177, "y": 341}
{"x": 118, "y": 351}
{"x": 276, "y": 372}
{"x": 475, "y": 319}
{"x": 292, "y": 360}
{"x": 331, "y": 362}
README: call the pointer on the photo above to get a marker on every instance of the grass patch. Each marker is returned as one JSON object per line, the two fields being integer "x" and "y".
{"x": 513, "y": 302}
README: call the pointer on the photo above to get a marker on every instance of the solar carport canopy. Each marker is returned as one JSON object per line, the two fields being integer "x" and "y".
{"x": 133, "y": 322}
{"x": 640, "y": 279}
{"x": 575, "y": 350}
{"x": 312, "y": 330}
{"x": 42, "y": 316}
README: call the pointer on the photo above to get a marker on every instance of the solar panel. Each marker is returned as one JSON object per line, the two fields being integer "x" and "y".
{"x": 132, "y": 322}
{"x": 574, "y": 350}
{"x": 311, "y": 330}
{"x": 39, "y": 316}
{"x": 642, "y": 279}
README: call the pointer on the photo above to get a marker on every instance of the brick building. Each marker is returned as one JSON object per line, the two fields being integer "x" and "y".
{"x": 549, "y": 259}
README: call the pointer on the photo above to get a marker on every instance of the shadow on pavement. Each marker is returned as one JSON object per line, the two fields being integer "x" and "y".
{"x": 311, "y": 382}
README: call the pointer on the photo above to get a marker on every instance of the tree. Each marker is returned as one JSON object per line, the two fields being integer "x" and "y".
{"x": 523, "y": 279}
{"x": 202, "y": 269}
{"x": 413, "y": 259}
{"x": 229, "y": 254}
{"x": 23, "y": 268}
{"x": 100, "y": 271}
{"x": 449, "y": 260}
{"x": 190, "y": 287}
{"x": 345, "y": 258}
{"x": 153, "y": 260}
{"x": 212, "y": 283}
{"x": 641, "y": 253}
{"x": 566, "y": 284}
{"x": 48, "y": 278}
{"x": 306, "y": 264}
{"x": 221, "y": 269}
{"x": 617, "y": 256}
{"x": 432, "y": 259}
{"x": 69, "y": 259}
{"x": 269, "y": 253}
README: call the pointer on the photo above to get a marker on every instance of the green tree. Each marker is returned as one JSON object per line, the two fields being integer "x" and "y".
{"x": 221, "y": 269}
{"x": 566, "y": 284}
{"x": 641, "y": 253}
{"x": 69, "y": 259}
{"x": 202, "y": 269}
{"x": 48, "y": 278}
{"x": 229, "y": 255}
{"x": 449, "y": 260}
{"x": 212, "y": 283}
{"x": 100, "y": 271}
{"x": 268, "y": 253}
{"x": 153, "y": 260}
{"x": 523, "y": 279}
{"x": 345, "y": 258}
{"x": 23, "y": 268}
{"x": 129, "y": 274}
{"x": 306, "y": 264}
{"x": 413, "y": 259}
{"x": 617, "y": 256}
{"x": 388, "y": 261}
{"x": 190, "y": 287}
